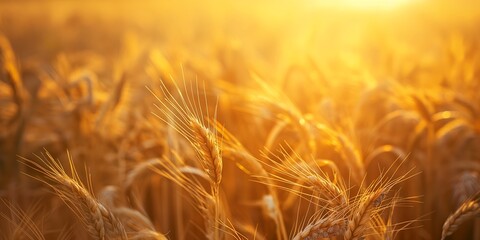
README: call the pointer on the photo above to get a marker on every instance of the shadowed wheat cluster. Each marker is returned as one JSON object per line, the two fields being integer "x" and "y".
{"x": 265, "y": 119}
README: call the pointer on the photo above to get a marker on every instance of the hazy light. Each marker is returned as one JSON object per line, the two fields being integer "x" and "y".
{"x": 364, "y": 4}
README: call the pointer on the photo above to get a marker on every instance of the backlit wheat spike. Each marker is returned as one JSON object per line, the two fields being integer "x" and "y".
{"x": 208, "y": 148}
{"x": 332, "y": 192}
{"x": 359, "y": 221}
{"x": 323, "y": 228}
{"x": 185, "y": 115}
{"x": 465, "y": 212}
{"x": 99, "y": 221}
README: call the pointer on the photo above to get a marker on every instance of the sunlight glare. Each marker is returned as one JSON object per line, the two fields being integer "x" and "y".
{"x": 365, "y": 4}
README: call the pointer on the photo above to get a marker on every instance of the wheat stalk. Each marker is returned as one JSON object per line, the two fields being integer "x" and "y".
{"x": 139, "y": 172}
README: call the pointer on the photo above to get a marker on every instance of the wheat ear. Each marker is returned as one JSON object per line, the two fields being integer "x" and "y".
{"x": 207, "y": 147}
{"x": 465, "y": 212}
{"x": 184, "y": 114}
{"x": 361, "y": 216}
{"x": 333, "y": 194}
{"x": 323, "y": 228}
{"x": 99, "y": 221}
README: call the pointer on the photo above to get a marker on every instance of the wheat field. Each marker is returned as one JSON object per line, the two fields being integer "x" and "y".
{"x": 309, "y": 119}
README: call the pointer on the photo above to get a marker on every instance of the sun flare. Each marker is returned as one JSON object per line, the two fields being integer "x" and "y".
{"x": 365, "y": 4}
